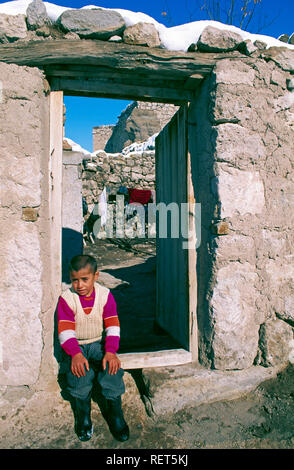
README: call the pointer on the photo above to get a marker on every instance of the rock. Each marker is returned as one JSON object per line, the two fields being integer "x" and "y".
{"x": 284, "y": 38}
{"x": 92, "y": 23}
{"x": 43, "y": 31}
{"x": 30, "y": 214}
{"x": 260, "y": 44}
{"x": 216, "y": 40}
{"x": 291, "y": 39}
{"x": 66, "y": 145}
{"x": 71, "y": 35}
{"x": 12, "y": 28}
{"x": 282, "y": 56}
{"x": 37, "y": 15}
{"x": 239, "y": 192}
{"x": 288, "y": 314}
{"x": 142, "y": 34}
{"x": 290, "y": 84}
{"x": 247, "y": 47}
{"x": 192, "y": 47}
{"x": 233, "y": 248}
{"x": 220, "y": 228}
{"x": 233, "y": 314}
{"x": 50, "y": 30}
{"x": 275, "y": 342}
{"x": 231, "y": 72}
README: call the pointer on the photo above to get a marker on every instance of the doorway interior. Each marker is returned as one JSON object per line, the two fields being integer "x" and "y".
{"x": 149, "y": 330}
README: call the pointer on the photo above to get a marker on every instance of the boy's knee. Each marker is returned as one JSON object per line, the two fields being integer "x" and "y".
{"x": 80, "y": 387}
{"x": 112, "y": 385}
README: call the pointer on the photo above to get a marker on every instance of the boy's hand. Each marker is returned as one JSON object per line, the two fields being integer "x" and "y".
{"x": 113, "y": 362}
{"x": 78, "y": 364}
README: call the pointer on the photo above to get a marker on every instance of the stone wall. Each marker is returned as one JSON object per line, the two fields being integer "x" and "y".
{"x": 115, "y": 170}
{"x": 27, "y": 311}
{"x": 242, "y": 161}
{"x": 139, "y": 121}
{"x": 101, "y": 135}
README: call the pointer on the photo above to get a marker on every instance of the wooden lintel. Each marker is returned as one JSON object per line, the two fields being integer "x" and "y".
{"x": 133, "y": 59}
{"x": 107, "y": 89}
{"x": 113, "y": 76}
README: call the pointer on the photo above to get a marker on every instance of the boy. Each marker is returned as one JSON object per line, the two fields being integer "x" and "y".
{"x": 82, "y": 312}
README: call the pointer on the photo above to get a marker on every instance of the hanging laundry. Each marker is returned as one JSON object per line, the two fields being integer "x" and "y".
{"x": 143, "y": 196}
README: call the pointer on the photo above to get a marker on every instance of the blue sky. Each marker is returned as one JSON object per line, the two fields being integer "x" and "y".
{"x": 85, "y": 113}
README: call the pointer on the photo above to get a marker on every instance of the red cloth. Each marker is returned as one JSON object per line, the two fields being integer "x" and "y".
{"x": 142, "y": 196}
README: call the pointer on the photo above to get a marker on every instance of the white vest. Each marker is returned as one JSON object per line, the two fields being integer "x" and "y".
{"x": 89, "y": 327}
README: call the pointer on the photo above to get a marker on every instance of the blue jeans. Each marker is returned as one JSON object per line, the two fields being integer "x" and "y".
{"x": 112, "y": 386}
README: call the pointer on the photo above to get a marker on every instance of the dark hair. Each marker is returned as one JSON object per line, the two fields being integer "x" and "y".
{"x": 81, "y": 261}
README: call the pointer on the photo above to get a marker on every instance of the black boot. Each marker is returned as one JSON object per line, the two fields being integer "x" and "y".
{"x": 116, "y": 422}
{"x": 83, "y": 423}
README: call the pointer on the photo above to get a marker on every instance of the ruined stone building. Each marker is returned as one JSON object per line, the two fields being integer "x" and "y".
{"x": 229, "y": 147}
{"x": 136, "y": 123}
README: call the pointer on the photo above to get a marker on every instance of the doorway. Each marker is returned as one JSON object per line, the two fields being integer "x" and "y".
{"x": 171, "y": 337}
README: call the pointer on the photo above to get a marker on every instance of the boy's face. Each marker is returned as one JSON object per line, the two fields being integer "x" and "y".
{"x": 83, "y": 281}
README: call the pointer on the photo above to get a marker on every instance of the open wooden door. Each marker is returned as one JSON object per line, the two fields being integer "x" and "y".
{"x": 176, "y": 265}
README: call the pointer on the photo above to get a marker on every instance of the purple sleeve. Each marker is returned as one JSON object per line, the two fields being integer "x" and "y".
{"x": 66, "y": 328}
{"x": 111, "y": 324}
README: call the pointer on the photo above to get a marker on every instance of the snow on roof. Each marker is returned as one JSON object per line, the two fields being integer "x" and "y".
{"x": 176, "y": 38}
{"x": 76, "y": 147}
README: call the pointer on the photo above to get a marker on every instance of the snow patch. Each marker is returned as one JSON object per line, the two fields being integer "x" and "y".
{"x": 76, "y": 147}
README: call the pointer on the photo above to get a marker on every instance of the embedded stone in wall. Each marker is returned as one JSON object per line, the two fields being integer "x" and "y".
{"x": 233, "y": 314}
{"x": 279, "y": 272}
{"x": 288, "y": 314}
{"x": 238, "y": 192}
{"x": 93, "y": 23}
{"x": 282, "y": 56}
{"x": 234, "y": 248}
{"x": 275, "y": 342}
{"x": 12, "y": 28}
{"x": 20, "y": 325}
{"x": 217, "y": 40}
{"x": 235, "y": 143}
{"x": 142, "y": 34}
{"x": 233, "y": 72}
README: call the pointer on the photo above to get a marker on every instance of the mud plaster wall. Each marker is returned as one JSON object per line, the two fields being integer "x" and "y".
{"x": 243, "y": 173}
{"x": 241, "y": 147}
{"x": 27, "y": 312}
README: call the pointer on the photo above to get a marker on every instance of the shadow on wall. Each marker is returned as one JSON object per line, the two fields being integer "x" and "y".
{"x": 72, "y": 245}
{"x": 201, "y": 148}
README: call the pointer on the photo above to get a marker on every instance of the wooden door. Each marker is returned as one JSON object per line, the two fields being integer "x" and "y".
{"x": 173, "y": 312}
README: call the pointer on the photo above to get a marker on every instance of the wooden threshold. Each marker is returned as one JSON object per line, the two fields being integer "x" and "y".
{"x": 142, "y": 360}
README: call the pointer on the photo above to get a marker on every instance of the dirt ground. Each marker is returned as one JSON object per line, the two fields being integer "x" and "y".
{"x": 263, "y": 419}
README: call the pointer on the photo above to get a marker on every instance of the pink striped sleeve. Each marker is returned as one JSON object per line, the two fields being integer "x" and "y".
{"x": 66, "y": 328}
{"x": 111, "y": 324}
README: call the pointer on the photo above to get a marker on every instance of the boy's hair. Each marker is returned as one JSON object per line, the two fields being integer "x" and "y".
{"x": 81, "y": 261}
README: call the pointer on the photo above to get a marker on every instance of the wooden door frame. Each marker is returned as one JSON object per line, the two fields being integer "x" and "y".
{"x": 170, "y": 357}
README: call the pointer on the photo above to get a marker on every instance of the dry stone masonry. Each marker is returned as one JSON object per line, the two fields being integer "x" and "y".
{"x": 135, "y": 170}
{"x": 240, "y": 135}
